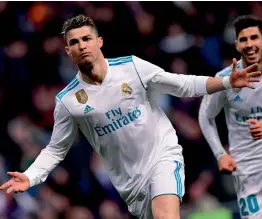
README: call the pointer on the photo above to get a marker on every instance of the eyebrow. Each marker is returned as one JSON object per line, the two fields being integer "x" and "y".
{"x": 73, "y": 39}
{"x": 251, "y": 36}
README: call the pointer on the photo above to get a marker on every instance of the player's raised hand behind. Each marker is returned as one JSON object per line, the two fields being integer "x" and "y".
{"x": 226, "y": 164}
{"x": 255, "y": 128}
{"x": 18, "y": 183}
{"x": 242, "y": 78}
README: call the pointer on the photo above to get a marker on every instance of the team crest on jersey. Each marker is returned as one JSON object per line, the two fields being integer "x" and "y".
{"x": 126, "y": 90}
{"x": 81, "y": 96}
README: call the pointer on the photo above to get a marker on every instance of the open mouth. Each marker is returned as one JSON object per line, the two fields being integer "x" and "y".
{"x": 252, "y": 54}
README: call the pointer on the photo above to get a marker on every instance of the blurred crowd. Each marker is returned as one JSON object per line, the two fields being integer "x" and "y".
{"x": 181, "y": 37}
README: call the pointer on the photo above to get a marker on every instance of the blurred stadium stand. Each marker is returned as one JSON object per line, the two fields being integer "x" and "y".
{"x": 182, "y": 37}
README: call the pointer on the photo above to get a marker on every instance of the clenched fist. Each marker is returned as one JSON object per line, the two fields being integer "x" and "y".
{"x": 226, "y": 164}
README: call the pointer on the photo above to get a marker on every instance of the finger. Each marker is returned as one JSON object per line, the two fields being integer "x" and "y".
{"x": 16, "y": 190}
{"x": 257, "y": 135}
{"x": 234, "y": 166}
{"x": 250, "y": 86}
{"x": 227, "y": 168}
{"x": 13, "y": 174}
{"x": 231, "y": 168}
{"x": 255, "y": 130}
{"x": 10, "y": 190}
{"x": 233, "y": 163}
{"x": 256, "y": 138}
{"x": 234, "y": 67}
{"x": 253, "y": 80}
{"x": 254, "y": 74}
{"x": 5, "y": 185}
{"x": 254, "y": 126}
{"x": 226, "y": 171}
{"x": 251, "y": 121}
{"x": 251, "y": 67}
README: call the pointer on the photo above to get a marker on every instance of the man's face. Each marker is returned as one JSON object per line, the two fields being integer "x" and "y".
{"x": 249, "y": 45}
{"x": 83, "y": 45}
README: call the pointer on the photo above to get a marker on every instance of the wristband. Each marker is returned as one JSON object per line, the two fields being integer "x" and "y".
{"x": 226, "y": 82}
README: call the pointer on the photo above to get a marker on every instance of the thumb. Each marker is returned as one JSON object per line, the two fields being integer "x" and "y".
{"x": 233, "y": 164}
{"x": 234, "y": 61}
{"x": 251, "y": 121}
{"x": 12, "y": 174}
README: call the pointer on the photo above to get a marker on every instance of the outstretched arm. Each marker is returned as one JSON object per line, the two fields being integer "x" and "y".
{"x": 190, "y": 85}
{"x": 63, "y": 135}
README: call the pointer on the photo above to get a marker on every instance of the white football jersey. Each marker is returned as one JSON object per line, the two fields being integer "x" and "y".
{"x": 121, "y": 121}
{"x": 239, "y": 105}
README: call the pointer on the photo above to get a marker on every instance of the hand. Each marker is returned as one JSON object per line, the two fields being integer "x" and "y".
{"x": 226, "y": 164}
{"x": 241, "y": 78}
{"x": 255, "y": 128}
{"x": 19, "y": 183}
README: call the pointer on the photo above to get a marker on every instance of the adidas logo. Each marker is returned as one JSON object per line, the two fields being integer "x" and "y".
{"x": 88, "y": 109}
{"x": 237, "y": 99}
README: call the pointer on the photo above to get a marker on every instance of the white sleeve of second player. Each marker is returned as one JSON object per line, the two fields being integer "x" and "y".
{"x": 64, "y": 132}
{"x": 210, "y": 107}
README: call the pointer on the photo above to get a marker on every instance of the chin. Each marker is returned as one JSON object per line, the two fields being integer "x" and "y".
{"x": 252, "y": 61}
{"x": 85, "y": 61}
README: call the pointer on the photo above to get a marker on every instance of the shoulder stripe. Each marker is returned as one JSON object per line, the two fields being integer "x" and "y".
{"x": 227, "y": 71}
{"x": 70, "y": 86}
{"x": 70, "y": 83}
{"x": 68, "y": 89}
{"x": 120, "y": 61}
{"x": 117, "y": 59}
{"x": 224, "y": 73}
{"x": 239, "y": 66}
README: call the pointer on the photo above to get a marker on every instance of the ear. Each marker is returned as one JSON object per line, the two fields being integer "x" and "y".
{"x": 100, "y": 41}
{"x": 236, "y": 45}
{"x": 67, "y": 51}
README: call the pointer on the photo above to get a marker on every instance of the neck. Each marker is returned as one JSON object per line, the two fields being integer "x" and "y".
{"x": 95, "y": 72}
{"x": 259, "y": 67}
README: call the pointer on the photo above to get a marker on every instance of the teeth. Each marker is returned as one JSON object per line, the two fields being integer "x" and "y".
{"x": 251, "y": 52}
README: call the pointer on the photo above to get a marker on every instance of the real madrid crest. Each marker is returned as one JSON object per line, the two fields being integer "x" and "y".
{"x": 126, "y": 90}
{"x": 81, "y": 96}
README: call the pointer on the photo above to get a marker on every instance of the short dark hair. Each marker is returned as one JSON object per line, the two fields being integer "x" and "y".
{"x": 76, "y": 22}
{"x": 246, "y": 21}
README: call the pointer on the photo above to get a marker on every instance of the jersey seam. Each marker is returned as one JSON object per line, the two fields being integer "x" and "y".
{"x": 138, "y": 75}
{"x": 69, "y": 112}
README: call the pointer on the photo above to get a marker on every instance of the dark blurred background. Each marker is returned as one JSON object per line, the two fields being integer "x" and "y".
{"x": 182, "y": 37}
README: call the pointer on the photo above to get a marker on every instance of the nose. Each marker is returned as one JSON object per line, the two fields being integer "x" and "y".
{"x": 82, "y": 45}
{"x": 249, "y": 43}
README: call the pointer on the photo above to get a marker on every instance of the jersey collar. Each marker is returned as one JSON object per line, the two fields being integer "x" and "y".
{"x": 104, "y": 83}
